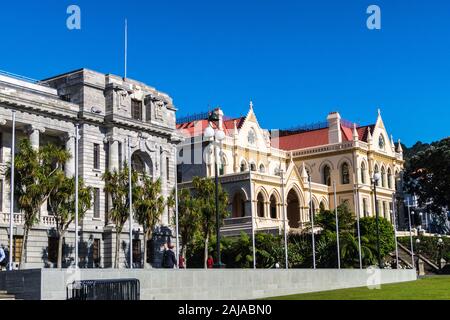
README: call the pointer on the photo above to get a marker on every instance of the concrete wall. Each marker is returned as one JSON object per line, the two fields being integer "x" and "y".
{"x": 201, "y": 284}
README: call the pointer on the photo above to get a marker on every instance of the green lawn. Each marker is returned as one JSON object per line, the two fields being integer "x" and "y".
{"x": 433, "y": 288}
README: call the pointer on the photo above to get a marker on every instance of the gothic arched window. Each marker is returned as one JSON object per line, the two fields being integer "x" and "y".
{"x": 251, "y": 136}
{"x": 327, "y": 175}
{"x": 345, "y": 173}
{"x": 363, "y": 172}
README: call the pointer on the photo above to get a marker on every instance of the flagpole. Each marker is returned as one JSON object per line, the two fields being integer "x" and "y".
{"x": 253, "y": 219}
{"x": 358, "y": 215}
{"x": 337, "y": 226}
{"x": 394, "y": 219}
{"x": 312, "y": 223}
{"x": 286, "y": 257}
{"x": 130, "y": 197}
{"x": 76, "y": 194}
{"x": 126, "y": 48}
{"x": 11, "y": 215}
{"x": 176, "y": 212}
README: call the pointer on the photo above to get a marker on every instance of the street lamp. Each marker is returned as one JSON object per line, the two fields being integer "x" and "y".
{"x": 218, "y": 136}
{"x": 440, "y": 245}
{"x": 418, "y": 251}
{"x": 375, "y": 179}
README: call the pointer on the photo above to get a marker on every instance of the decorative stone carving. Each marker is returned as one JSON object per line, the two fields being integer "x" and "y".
{"x": 159, "y": 110}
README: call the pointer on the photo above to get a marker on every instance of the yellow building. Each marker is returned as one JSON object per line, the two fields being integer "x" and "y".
{"x": 266, "y": 174}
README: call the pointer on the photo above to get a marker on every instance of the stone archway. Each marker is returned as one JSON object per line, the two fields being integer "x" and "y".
{"x": 293, "y": 209}
{"x": 142, "y": 163}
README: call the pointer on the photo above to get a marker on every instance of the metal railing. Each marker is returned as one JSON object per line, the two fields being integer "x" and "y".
{"x": 123, "y": 289}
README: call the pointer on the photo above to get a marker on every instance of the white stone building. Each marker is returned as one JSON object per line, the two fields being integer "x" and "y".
{"x": 108, "y": 109}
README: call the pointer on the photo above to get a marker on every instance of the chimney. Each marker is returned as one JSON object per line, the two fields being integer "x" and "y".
{"x": 334, "y": 128}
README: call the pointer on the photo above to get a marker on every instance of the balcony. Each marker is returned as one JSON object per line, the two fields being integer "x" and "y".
{"x": 44, "y": 221}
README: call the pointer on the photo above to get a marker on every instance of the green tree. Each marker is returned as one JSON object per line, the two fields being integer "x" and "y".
{"x": 35, "y": 173}
{"x": 326, "y": 219}
{"x": 204, "y": 192}
{"x": 188, "y": 220}
{"x": 148, "y": 205}
{"x": 117, "y": 187}
{"x": 427, "y": 175}
{"x": 369, "y": 230}
{"x": 61, "y": 204}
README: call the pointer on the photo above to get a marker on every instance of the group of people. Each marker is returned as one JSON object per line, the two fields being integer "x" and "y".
{"x": 169, "y": 260}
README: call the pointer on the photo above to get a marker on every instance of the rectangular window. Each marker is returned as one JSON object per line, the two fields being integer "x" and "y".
{"x": 52, "y": 249}
{"x": 17, "y": 248}
{"x": 96, "y": 252}
{"x": 167, "y": 168}
{"x": 120, "y": 156}
{"x": 365, "y": 212}
{"x": 106, "y": 151}
{"x": 179, "y": 173}
{"x": 1, "y": 147}
{"x": 137, "y": 251}
{"x": 148, "y": 112}
{"x": 106, "y": 208}
{"x": 1, "y": 195}
{"x": 96, "y": 156}
{"x": 136, "y": 109}
{"x": 96, "y": 203}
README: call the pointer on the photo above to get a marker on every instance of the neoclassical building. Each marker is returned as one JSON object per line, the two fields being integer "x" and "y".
{"x": 109, "y": 111}
{"x": 265, "y": 172}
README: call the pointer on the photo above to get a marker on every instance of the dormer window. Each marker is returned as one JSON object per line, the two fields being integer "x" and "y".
{"x": 251, "y": 137}
{"x": 381, "y": 142}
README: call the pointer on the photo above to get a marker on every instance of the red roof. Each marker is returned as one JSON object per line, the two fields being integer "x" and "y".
{"x": 315, "y": 138}
{"x": 196, "y": 128}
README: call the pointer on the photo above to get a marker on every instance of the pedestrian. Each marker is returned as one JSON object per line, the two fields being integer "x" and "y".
{"x": 3, "y": 258}
{"x": 169, "y": 260}
{"x": 181, "y": 263}
{"x": 210, "y": 262}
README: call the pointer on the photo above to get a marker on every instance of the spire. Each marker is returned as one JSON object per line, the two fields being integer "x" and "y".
{"x": 369, "y": 135}
{"x": 355, "y": 133}
{"x": 399, "y": 148}
{"x": 379, "y": 112}
{"x": 392, "y": 143}
{"x": 235, "y": 129}
{"x": 251, "y": 105}
{"x": 304, "y": 174}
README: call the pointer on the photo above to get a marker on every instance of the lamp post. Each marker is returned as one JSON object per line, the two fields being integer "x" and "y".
{"x": 410, "y": 234}
{"x": 418, "y": 251}
{"x": 375, "y": 179}
{"x": 218, "y": 136}
{"x": 311, "y": 211}
{"x": 395, "y": 236}
{"x": 440, "y": 245}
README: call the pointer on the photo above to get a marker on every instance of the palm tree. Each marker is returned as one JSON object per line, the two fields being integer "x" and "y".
{"x": 350, "y": 250}
{"x": 35, "y": 174}
{"x": 149, "y": 205}
{"x": 61, "y": 203}
{"x": 204, "y": 192}
{"x": 117, "y": 186}
{"x": 188, "y": 220}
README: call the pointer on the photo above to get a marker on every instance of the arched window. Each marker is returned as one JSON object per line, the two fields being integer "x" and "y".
{"x": 381, "y": 142}
{"x": 238, "y": 206}
{"x": 260, "y": 205}
{"x": 273, "y": 207}
{"x": 363, "y": 172}
{"x": 262, "y": 169}
{"x": 322, "y": 207}
{"x": 137, "y": 164}
{"x": 252, "y": 166}
{"x": 326, "y": 175}
{"x": 383, "y": 177}
{"x": 243, "y": 166}
{"x": 389, "y": 178}
{"x": 251, "y": 136}
{"x": 377, "y": 171}
{"x": 345, "y": 174}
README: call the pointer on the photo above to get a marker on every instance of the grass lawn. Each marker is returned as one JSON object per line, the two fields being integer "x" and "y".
{"x": 433, "y": 288}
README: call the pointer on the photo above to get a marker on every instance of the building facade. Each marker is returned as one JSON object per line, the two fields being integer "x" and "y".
{"x": 111, "y": 112}
{"x": 293, "y": 172}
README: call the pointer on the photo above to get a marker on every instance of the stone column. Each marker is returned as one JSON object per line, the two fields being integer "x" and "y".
{"x": 113, "y": 154}
{"x": 70, "y": 147}
{"x": 34, "y": 133}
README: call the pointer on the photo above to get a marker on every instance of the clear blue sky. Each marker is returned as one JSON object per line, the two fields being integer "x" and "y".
{"x": 297, "y": 60}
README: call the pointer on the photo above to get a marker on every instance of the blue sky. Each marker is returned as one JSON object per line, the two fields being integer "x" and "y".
{"x": 297, "y": 60}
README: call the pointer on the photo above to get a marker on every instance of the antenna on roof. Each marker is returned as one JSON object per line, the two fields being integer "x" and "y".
{"x": 126, "y": 47}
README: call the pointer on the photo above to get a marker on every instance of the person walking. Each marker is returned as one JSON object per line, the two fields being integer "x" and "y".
{"x": 210, "y": 262}
{"x": 3, "y": 258}
{"x": 169, "y": 260}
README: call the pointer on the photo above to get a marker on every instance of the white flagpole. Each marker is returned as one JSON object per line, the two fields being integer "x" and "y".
{"x": 358, "y": 215}
{"x": 130, "y": 196}
{"x": 11, "y": 215}
{"x": 253, "y": 219}
{"x": 77, "y": 137}
{"x": 312, "y": 223}
{"x": 176, "y": 212}
{"x": 394, "y": 220}
{"x": 126, "y": 48}
{"x": 286, "y": 257}
{"x": 337, "y": 226}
